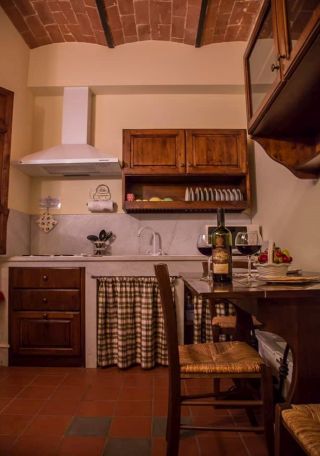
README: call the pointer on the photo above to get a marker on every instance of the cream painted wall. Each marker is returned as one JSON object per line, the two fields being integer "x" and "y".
{"x": 140, "y": 63}
{"x": 288, "y": 210}
{"x": 13, "y": 76}
{"x": 139, "y": 85}
{"x": 116, "y": 112}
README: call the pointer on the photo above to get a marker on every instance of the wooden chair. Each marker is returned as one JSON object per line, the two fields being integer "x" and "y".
{"x": 297, "y": 430}
{"x": 235, "y": 360}
{"x": 226, "y": 324}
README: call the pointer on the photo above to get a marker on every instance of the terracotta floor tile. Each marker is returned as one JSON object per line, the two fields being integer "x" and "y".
{"x": 95, "y": 408}
{"x": 40, "y": 445}
{"x": 48, "y": 425}
{"x": 137, "y": 393}
{"x": 159, "y": 446}
{"x": 127, "y": 447}
{"x": 221, "y": 444}
{"x": 23, "y": 407}
{"x": 160, "y": 408}
{"x": 138, "y": 380}
{"x": 133, "y": 408}
{"x": 65, "y": 407}
{"x": 69, "y": 392}
{"x": 100, "y": 392}
{"x": 13, "y": 424}
{"x": 36, "y": 392}
{"x": 81, "y": 446}
{"x": 4, "y": 401}
{"x": 189, "y": 447}
{"x": 93, "y": 426}
{"x": 48, "y": 380}
{"x": 130, "y": 427}
{"x": 6, "y": 442}
{"x": 18, "y": 379}
{"x": 10, "y": 390}
{"x": 255, "y": 444}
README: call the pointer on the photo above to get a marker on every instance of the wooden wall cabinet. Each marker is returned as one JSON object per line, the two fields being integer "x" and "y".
{"x": 163, "y": 163}
{"x": 46, "y": 317}
{"x": 282, "y": 72}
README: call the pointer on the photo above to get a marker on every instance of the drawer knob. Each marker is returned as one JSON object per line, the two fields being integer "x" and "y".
{"x": 45, "y": 316}
{"x": 45, "y": 277}
{"x": 44, "y": 300}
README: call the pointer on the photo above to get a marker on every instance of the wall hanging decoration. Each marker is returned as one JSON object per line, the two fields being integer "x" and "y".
{"x": 101, "y": 200}
{"x": 46, "y": 221}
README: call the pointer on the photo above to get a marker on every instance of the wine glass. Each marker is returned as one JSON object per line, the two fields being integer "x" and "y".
{"x": 248, "y": 243}
{"x": 204, "y": 245}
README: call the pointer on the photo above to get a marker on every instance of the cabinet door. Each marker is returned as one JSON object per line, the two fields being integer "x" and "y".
{"x": 216, "y": 151}
{"x": 298, "y": 24}
{"x": 154, "y": 151}
{"x": 262, "y": 68}
{"x": 45, "y": 334}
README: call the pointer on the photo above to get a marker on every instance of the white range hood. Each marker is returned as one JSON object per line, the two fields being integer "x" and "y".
{"x": 74, "y": 157}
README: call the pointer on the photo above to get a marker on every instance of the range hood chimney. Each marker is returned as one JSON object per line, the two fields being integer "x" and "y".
{"x": 74, "y": 157}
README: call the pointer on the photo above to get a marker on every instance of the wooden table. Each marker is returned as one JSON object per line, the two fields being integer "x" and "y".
{"x": 291, "y": 311}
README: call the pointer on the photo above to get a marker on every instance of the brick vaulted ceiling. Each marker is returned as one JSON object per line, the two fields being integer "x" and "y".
{"x": 116, "y": 22}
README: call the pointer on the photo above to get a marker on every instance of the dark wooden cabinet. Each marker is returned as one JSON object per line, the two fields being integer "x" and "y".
{"x": 6, "y": 110}
{"x": 282, "y": 72}
{"x": 216, "y": 152}
{"x": 159, "y": 165}
{"x": 46, "y": 316}
{"x": 154, "y": 151}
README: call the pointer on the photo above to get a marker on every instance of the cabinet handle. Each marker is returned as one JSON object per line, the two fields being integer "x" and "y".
{"x": 275, "y": 66}
{"x": 45, "y": 277}
{"x": 44, "y": 300}
{"x": 45, "y": 316}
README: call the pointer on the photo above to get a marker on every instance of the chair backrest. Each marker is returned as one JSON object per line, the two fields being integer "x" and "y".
{"x": 169, "y": 316}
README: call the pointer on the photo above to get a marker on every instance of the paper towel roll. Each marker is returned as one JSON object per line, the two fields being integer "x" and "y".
{"x": 100, "y": 206}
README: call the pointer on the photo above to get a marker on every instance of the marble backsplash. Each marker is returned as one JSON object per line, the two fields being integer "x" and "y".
{"x": 177, "y": 232}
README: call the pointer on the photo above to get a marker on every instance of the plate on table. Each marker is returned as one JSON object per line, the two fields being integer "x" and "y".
{"x": 290, "y": 279}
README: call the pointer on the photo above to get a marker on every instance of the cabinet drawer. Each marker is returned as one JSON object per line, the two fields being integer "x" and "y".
{"x": 46, "y": 299}
{"x": 46, "y": 333}
{"x": 45, "y": 277}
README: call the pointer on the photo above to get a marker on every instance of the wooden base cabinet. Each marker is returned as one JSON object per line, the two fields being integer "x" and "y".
{"x": 46, "y": 316}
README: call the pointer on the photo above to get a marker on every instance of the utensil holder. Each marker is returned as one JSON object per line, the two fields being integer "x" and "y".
{"x": 100, "y": 248}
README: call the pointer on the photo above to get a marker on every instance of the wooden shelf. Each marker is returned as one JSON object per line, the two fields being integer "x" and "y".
{"x": 183, "y": 206}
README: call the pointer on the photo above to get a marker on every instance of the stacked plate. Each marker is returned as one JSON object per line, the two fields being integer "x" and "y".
{"x": 213, "y": 194}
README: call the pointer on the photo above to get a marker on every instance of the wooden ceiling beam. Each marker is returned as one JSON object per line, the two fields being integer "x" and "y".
{"x": 202, "y": 18}
{"x": 104, "y": 21}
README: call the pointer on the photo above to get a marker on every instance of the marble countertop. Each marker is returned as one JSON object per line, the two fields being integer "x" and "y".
{"x": 104, "y": 258}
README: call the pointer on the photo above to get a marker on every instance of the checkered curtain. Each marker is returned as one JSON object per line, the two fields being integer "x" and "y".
{"x": 130, "y": 322}
{"x": 202, "y": 327}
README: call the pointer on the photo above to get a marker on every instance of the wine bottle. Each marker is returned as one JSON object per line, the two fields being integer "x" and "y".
{"x": 222, "y": 251}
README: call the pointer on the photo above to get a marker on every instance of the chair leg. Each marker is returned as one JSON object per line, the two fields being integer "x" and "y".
{"x": 173, "y": 426}
{"x": 268, "y": 408}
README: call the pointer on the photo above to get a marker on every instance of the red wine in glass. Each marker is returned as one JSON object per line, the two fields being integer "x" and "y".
{"x": 207, "y": 251}
{"x": 248, "y": 249}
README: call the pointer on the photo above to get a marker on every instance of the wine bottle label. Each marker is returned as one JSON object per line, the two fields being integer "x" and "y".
{"x": 220, "y": 260}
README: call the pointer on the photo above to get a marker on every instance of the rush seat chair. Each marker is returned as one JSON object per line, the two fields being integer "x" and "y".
{"x": 234, "y": 360}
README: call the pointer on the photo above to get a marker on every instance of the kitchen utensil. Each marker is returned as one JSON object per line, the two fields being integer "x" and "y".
{"x": 201, "y": 195}
{"x": 206, "y": 194}
{"x": 92, "y": 237}
{"x": 102, "y": 235}
{"x": 186, "y": 195}
{"x": 240, "y": 194}
{"x": 191, "y": 194}
{"x": 216, "y": 195}
{"x": 196, "y": 194}
{"x": 211, "y": 195}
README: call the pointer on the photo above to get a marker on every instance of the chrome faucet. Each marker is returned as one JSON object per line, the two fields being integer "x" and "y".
{"x": 153, "y": 238}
